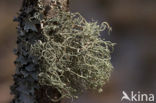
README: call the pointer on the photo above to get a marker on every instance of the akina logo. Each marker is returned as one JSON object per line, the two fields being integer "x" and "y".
{"x": 137, "y": 97}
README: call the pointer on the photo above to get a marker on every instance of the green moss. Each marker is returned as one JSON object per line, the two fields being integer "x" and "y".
{"x": 72, "y": 56}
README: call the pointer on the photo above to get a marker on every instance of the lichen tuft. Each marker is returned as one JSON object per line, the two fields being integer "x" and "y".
{"x": 72, "y": 57}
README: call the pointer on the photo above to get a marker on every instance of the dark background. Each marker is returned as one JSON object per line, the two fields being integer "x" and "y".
{"x": 134, "y": 58}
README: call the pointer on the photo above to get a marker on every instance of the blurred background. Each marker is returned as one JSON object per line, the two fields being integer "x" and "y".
{"x": 134, "y": 58}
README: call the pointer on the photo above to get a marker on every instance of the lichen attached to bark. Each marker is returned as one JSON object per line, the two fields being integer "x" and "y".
{"x": 73, "y": 57}
{"x": 60, "y": 54}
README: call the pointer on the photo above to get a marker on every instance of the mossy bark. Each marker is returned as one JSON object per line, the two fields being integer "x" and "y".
{"x": 26, "y": 88}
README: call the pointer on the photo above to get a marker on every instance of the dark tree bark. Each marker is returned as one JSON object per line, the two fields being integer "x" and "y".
{"x": 26, "y": 87}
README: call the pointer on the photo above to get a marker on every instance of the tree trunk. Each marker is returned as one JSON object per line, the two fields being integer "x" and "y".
{"x": 26, "y": 87}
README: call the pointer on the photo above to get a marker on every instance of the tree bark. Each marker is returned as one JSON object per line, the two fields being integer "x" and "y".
{"x": 26, "y": 88}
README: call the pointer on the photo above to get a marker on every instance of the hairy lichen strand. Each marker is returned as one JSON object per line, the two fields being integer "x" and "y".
{"x": 73, "y": 57}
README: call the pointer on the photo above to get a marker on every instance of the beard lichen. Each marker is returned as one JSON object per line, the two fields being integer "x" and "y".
{"x": 58, "y": 50}
{"x": 72, "y": 57}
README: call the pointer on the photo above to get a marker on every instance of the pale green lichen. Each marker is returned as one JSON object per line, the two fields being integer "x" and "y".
{"x": 72, "y": 57}
{"x": 63, "y": 51}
